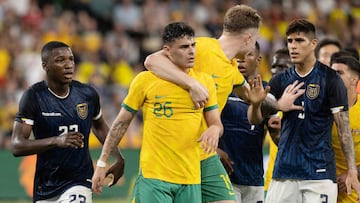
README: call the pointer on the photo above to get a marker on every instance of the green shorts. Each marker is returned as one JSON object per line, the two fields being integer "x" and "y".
{"x": 154, "y": 191}
{"x": 215, "y": 182}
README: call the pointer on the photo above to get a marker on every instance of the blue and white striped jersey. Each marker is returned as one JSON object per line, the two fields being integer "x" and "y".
{"x": 305, "y": 150}
{"x": 57, "y": 169}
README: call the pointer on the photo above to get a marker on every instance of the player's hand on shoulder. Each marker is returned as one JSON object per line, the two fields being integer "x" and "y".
{"x": 199, "y": 94}
{"x": 116, "y": 171}
{"x": 70, "y": 139}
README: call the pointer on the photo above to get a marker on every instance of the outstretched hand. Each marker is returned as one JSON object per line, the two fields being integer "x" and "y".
{"x": 116, "y": 171}
{"x": 290, "y": 94}
{"x": 257, "y": 93}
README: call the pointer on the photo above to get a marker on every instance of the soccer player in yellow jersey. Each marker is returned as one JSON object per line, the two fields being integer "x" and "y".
{"x": 222, "y": 66}
{"x": 349, "y": 70}
{"x": 169, "y": 157}
{"x": 217, "y": 57}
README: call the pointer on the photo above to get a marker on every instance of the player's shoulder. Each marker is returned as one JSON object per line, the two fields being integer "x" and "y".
{"x": 205, "y": 42}
{"x": 80, "y": 85}
{"x": 37, "y": 87}
{"x": 145, "y": 76}
{"x": 326, "y": 70}
{"x": 200, "y": 75}
{"x": 145, "y": 73}
{"x": 83, "y": 88}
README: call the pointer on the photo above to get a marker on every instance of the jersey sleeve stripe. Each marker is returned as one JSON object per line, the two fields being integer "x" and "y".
{"x": 128, "y": 108}
{"x": 240, "y": 85}
{"x": 27, "y": 121}
{"x": 98, "y": 116}
{"x": 211, "y": 108}
{"x": 337, "y": 109}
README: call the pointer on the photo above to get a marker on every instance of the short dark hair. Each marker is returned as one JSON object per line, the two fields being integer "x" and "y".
{"x": 282, "y": 51}
{"x": 325, "y": 42}
{"x": 301, "y": 25}
{"x": 176, "y": 30}
{"x": 353, "y": 51}
{"x": 49, "y": 47}
{"x": 348, "y": 60}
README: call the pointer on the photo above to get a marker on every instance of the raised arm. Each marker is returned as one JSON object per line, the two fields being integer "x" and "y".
{"x": 159, "y": 64}
{"x": 347, "y": 145}
{"x": 116, "y": 133}
{"x": 264, "y": 104}
{"x": 254, "y": 93}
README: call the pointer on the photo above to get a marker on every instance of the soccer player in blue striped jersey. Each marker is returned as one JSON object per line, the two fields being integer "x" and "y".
{"x": 60, "y": 112}
{"x": 305, "y": 165}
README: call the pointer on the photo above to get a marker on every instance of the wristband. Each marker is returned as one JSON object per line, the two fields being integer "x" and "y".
{"x": 101, "y": 163}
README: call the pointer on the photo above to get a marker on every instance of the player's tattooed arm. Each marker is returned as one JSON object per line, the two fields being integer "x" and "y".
{"x": 345, "y": 137}
{"x": 116, "y": 132}
{"x": 347, "y": 144}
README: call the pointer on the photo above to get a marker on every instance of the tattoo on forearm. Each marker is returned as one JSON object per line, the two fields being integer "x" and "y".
{"x": 345, "y": 136}
{"x": 269, "y": 106}
{"x": 116, "y": 132}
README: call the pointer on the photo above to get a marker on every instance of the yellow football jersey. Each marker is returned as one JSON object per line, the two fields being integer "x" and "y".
{"x": 270, "y": 167}
{"x": 169, "y": 149}
{"x": 211, "y": 59}
{"x": 341, "y": 165}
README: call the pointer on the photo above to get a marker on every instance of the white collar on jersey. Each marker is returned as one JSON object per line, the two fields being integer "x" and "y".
{"x": 60, "y": 97}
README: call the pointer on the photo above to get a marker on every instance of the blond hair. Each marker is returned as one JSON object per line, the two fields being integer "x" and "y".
{"x": 241, "y": 17}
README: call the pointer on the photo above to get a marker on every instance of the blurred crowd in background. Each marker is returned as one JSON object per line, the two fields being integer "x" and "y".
{"x": 111, "y": 38}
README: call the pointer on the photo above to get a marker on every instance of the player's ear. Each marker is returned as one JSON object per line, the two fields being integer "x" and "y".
{"x": 166, "y": 49}
{"x": 45, "y": 67}
{"x": 314, "y": 43}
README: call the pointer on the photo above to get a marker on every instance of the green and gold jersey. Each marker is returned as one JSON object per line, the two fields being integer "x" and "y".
{"x": 341, "y": 165}
{"x": 211, "y": 59}
{"x": 169, "y": 149}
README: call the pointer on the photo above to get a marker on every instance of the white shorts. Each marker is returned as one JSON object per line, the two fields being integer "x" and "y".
{"x": 301, "y": 191}
{"x": 75, "y": 194}
{"x": 245, "y": 193}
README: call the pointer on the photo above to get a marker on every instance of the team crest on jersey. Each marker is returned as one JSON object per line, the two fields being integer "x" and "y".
{"x": 82, "y": 110}
{"x": 312, "y": 91}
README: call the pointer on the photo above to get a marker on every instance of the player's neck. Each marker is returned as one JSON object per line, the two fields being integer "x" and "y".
{"x": 58, "y": 90}
{"x": 229, "y": 45}
{"x": 352, "y": 96}
{"x": 305, "y": 67}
